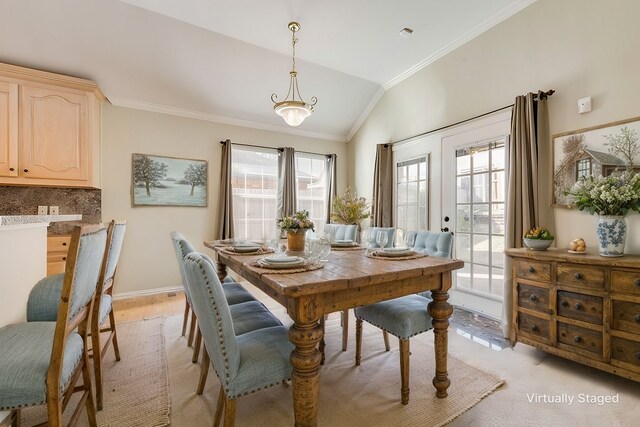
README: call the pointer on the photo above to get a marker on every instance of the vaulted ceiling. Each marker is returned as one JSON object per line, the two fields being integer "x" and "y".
{"x": 221, "y": 60}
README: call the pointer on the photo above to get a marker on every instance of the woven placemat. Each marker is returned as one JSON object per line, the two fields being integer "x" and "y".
{"x": 376, "y": 255}
{"x": 307, "y": 266}
{"x": 221, "y": 243}
{"x": 231, "y": 251}
{"x": 347, "y": 248}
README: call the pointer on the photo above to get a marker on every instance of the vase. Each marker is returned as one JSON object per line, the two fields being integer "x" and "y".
{"x": 612, "y": 232}
{"x": 295, "y": 239}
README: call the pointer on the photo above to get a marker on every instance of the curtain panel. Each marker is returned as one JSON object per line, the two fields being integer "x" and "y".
{"x": 382, "y": 203}
{"x": 330, "y": 176}
{"x": 287, "y": 194}
{"x": 224, "y": 227}
{"x": 528, "y": 182}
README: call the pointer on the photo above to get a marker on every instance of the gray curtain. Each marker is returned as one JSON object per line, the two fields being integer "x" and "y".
{"x": 382, "y": 203}
{"x": 224, "y": 229}
{"x": 287, "y": 195}
{"x": 528, "y": 182}
{"x": 330, "y": 175}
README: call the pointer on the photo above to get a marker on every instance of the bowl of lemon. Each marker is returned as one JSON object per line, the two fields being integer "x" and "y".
{"x": 538, "y": 239}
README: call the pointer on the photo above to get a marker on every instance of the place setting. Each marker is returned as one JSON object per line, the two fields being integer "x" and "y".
{"x": 396, "y": 253}
{"x": 244, "y": 247}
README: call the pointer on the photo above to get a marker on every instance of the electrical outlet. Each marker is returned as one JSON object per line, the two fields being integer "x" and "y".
{"x": 42, "y": 210}
{"x": 53, "y": 210}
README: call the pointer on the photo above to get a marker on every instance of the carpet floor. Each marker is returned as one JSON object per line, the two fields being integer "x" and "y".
{"x": 368, "y": 395}
{"x": 136, "y": 389}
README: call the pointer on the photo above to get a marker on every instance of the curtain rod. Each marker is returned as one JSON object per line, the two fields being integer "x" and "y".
{"x": 279, "y": 149}
{"x": 544, "y": 95}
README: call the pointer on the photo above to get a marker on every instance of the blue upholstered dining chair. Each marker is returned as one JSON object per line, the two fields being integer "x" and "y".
{"x": 244, "y": 363}
{"x": 40, "y": 362}
{"x": 406, "y": 316}
{"x": 342, "y": 231}
{"x": 44, "y": 298}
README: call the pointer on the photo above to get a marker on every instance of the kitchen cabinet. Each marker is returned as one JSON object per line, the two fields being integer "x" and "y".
{"x": 57, "y": 250}
{"x": 49, "y": 129}
{"x": 582, "y": 307}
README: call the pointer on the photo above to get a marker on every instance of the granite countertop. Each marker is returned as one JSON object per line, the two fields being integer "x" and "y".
{"x": 32, "y": 219}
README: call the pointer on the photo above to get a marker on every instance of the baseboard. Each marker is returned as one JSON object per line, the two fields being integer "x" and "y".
{"x": 146, "y": 292}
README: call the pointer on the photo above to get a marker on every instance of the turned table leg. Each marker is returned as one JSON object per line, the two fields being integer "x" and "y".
{"x": 221, "y": 270}
{"x": 305, "y": 359}
{"x": 440, "y": 310}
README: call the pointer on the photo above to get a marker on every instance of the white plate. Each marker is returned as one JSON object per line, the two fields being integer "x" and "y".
{"x": 279, "y": 259}
{"x": 392, "y": 252}
{"x": 344, "y": 243}
{"x": 280, "y": 266}
{"x": 246, "y": 249}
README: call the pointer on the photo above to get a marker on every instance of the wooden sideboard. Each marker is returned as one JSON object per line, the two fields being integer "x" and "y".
{"x": 582, "y": 307}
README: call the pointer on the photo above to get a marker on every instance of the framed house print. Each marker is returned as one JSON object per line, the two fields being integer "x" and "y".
{"x": 596, "y": 151}
{"x": 168, "y": 181}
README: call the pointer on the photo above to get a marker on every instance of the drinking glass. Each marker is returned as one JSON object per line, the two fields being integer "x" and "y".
{"x": 382, "y": 238}
{"x": 324, "y": 249}
{"x": 409, "y": 240}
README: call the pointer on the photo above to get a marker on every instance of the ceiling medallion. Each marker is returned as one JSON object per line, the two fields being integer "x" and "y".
{"x": 293, "y": 110}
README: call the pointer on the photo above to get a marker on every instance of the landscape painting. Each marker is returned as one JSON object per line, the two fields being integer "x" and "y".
{"x": 168, "y": 181}
{"x": 597, "y": 151}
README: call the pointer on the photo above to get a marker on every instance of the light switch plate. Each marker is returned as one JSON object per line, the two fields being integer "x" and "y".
{"x": 53, "y": 210}
{"x": 42, "y": 210}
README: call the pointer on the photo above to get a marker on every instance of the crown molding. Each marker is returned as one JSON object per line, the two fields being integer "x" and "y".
{"x": 365, "y": 113}
{"x": 215, "y": 118}
{"x": 487, "y": 24}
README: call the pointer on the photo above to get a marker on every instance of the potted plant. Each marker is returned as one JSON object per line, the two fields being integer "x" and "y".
{"x": 349, "y": 209}
{"x": 610, "y": 197}
{"x": 296, "y": 226}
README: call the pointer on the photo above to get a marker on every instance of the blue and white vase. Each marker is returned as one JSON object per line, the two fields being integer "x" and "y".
{"x": 612, "y": 232}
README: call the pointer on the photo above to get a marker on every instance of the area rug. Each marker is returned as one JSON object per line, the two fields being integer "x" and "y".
{"x": 136, "y": 389}
{"x": 367, "y": 395}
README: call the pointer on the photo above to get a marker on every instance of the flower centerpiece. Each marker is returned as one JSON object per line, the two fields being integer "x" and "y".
{"x": 612, "y": 198}
{"x": 296, "y": 226}
{"x": 349, "y": 209}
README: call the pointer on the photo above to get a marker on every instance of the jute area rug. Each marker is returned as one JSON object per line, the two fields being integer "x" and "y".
{"x": 136, "y": 389}
{"x": 366, "y": 395}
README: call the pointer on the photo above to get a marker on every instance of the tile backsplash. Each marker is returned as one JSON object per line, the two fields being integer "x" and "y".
{"x": 17, "y": 200}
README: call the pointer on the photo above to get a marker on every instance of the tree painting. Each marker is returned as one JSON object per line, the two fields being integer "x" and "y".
{"x": 624, "y": 145}
{"x": 168, "y": 181}
{"x": 196, "y": 174}
{"x": 148, "y": 171}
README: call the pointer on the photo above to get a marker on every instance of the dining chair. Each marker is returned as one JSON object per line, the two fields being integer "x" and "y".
{"x": 244, "y": 363}
{"x": 406, "y": 316}
{"x": 342, "y": 231}
{"x": 40, "y": 362}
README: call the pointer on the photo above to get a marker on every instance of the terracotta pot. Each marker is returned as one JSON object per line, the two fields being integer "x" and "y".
{"x": 295, "y": 239}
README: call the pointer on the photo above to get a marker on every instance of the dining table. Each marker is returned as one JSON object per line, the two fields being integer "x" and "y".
{"x": 346, "y": 280}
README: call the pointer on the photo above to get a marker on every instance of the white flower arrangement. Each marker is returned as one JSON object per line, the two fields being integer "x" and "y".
{"x": 612, "y": 195}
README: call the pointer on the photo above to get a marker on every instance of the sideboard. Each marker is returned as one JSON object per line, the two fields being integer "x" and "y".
{"x": 582, "y": 307}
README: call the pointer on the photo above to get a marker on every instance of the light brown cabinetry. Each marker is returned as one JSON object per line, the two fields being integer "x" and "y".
{"x": 57, "y": 249}
{"x": 582, "y": 307}
{"x": 49, "y": 129}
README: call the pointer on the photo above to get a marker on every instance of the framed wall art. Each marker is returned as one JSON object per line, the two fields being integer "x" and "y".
{"x": 168, "y": 181}
{"x": 596, "y": 151}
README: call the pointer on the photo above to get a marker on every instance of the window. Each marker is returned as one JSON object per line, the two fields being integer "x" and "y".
{"x": 254, "y": 183}
{"x": 412, "y": 197}
{"x": 583, "y": 168}
{"x": 311, "y": 186}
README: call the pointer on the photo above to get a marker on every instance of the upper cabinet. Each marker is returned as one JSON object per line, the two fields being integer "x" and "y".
{"x": 49, "y": 129}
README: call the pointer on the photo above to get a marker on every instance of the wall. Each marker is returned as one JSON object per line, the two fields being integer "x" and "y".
{"x": 148, "y": 261}
{"x": 577, "y": 48}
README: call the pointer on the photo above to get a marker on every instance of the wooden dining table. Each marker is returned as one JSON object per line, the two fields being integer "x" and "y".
{"x": 348, "y": 279}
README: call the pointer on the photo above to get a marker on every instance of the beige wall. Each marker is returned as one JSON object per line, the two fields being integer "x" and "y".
{"x": 578, "y": 48}
{"x": 148, "y": 261}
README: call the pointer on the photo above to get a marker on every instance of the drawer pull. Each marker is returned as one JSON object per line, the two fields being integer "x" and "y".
{"x": 638, "y": 282}
{"x": 578, "y": 276}
{"x": 564, "y": 303}
{"x": 637, "y": 318}
{"x": 533, "y": 297}
{"x": 26, "y": 170}
{"x": 638, "y": 355}
{"x": 64, "y": 243}
{"x": 578, "y": 306}
{"x": 577, "y": 338}
{"x": 533, "y": 270}
{"x": 11, "y": 169}
{"x": 64, "y": 258}
{"x": 534, "y": 328}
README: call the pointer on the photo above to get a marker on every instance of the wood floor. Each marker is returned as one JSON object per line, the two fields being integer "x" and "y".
{"x": 167, "y": 304}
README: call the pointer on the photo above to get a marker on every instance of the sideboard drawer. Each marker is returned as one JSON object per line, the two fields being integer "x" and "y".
{"x": 583, "y": 338}
{"x": 625, "y": 350}
{"x": 58, "y": 243}
{"x": 533, "y": 298}
{"x": 580, "y": 275}
{"x": 533, "y": 270}
{"x": 626, "y": 316}
{"x": 533, "y": 325}
{"x": 625, "y": 281}
{"x": 580, "y": 307}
